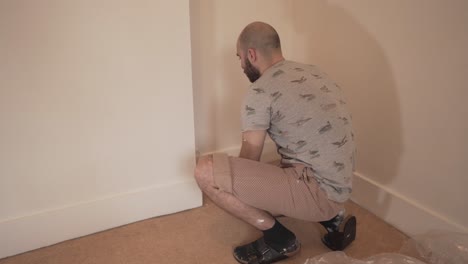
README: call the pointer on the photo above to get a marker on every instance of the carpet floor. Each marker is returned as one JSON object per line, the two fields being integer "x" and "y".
{"x": 203, "y": 235}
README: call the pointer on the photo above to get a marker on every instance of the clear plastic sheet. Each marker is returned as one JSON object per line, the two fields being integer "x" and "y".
{"x": 339, "y": 257}
{"x": 438, "y": 248}
{"x": 431, "y": 248}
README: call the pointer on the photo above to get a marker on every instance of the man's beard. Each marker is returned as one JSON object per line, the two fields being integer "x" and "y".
{"x": 252, "y": 73}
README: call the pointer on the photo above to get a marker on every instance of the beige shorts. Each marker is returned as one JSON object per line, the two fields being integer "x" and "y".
{"x": 291, "y": 191}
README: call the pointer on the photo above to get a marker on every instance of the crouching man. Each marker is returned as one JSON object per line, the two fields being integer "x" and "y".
{"x": 305, "y": 114}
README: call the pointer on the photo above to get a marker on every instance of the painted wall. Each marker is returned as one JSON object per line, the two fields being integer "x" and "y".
{"x": 96, "y": 115}
{"x": 219, "y": 83}
{"x": 403, "y": 65}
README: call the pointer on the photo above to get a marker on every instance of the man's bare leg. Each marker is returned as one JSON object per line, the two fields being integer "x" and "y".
{"x": 277, "y": 242}
{"x": 260, "y": 219}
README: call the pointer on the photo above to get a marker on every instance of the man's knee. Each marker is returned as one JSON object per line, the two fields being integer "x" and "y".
{"x": 204, "y": 171}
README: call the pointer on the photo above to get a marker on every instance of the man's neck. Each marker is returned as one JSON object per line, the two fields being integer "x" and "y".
{"x": 271, "y": 63}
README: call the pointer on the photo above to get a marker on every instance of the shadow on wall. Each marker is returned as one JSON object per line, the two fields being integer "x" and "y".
{"x": 203, "y": 44}
{"x": 334, "y": 40}
{"x": 235, "y": 87}
{"x": 218, "y": 82}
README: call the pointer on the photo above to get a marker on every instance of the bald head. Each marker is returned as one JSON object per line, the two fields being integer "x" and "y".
{"x": 262, "y": 37}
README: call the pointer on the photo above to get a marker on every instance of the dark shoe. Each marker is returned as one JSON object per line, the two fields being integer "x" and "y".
{"x": 342, "y": 236}
{"x": 258, "y": 252}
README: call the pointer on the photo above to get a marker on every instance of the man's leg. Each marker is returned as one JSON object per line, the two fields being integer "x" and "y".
{"x": 340, "y": 231}
{"x": 277, "y": 243}
{"x": 204, "y": 175}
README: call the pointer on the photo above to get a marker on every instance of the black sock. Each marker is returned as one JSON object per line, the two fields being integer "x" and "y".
{"x": 278, "y": 236}
{"x": 333, "y": 224}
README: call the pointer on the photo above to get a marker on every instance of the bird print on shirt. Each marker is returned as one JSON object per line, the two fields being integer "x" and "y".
{"x": 259, "y": 90}
{"x": 314, "y": 154}
{"x": 325, "y": 128}
{"x": 276, "y": 96}
{"x": 325, "y": 89}
{"x": 301, "y": 122}
{"x": 278, "y": 73}
{"x": 277, "y": 116}
{"x": 300, "y": 144}
{"x": 250, "y": 110}
{"x": 338, "y": 165}
{"x": 307, "y": 97}
{"x": 299, "y": 81}
{"x": 341, "y": 143}
{"x": 344, "y": 119}
{"x": 317, "y": 76}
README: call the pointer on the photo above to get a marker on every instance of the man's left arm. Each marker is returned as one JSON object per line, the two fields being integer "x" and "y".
{"x": 252, "y": 144}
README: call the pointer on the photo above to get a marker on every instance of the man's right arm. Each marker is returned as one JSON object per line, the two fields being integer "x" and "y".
{"x": 252, "y": 144}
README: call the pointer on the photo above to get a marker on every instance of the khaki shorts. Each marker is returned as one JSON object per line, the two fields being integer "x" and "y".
{"x": 291, "y": 191}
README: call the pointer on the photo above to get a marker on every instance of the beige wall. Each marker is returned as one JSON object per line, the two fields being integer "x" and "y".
{"x": 403, "y": 65}
{"x": 218, "y": 80}
{"x": 96, "y": 117}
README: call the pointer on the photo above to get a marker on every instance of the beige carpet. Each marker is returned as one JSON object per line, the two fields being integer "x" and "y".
{"x": 203, "y": 235}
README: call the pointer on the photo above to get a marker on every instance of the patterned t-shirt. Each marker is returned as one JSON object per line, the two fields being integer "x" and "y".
{"x": 305, "y": 114}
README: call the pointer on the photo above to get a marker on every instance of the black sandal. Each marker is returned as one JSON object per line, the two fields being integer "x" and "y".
{"x": 258, "y": 252}
{"x": 340, "y": 239}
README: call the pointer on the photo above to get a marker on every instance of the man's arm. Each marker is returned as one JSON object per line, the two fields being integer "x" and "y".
{"x": 252, "y": 144}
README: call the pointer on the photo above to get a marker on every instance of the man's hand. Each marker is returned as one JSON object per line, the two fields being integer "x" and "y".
{"x": 252, "y": 144}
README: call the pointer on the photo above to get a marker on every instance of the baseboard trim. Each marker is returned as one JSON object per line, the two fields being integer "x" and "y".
{"x": 53, "y": 226}
{"x": 405, "y": 214}
{"x": 269, "y": 153}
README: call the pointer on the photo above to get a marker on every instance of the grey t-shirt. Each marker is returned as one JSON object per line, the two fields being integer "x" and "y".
{"x": 305, "y": 114}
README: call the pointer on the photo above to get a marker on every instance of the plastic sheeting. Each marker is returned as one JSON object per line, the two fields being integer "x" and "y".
{"x": 431, "y": 248}
{"x": 438, "y": 248}
{"x": 341, "y": 258}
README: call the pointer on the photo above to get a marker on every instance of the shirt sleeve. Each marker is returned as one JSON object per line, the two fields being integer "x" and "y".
{"x": 256, "y": 110}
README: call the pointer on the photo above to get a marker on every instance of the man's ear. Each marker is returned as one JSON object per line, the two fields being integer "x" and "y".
{"x": 252, "y": 55}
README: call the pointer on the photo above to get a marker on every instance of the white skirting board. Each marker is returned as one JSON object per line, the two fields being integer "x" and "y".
{"x": 407, "y": 215}
{"x": 269, "y": 153}
{"x": 52, "y": 226}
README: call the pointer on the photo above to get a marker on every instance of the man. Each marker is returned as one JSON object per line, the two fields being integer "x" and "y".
{"x": 305, "y": 114}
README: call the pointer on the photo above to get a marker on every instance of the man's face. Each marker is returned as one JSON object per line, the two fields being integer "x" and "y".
{"x": 250, "y": 71}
